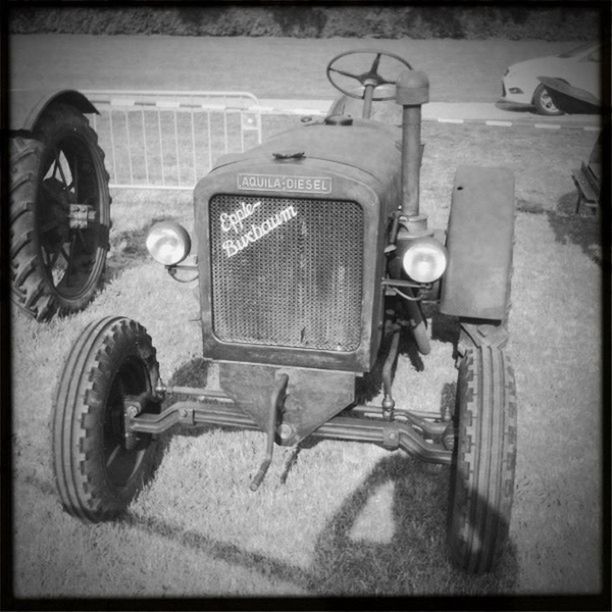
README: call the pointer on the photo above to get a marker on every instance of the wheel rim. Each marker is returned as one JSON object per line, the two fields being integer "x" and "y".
{"x": 71, "y": 257}
{"x": 547, "y": 103}
{"x": 121, "y": 464}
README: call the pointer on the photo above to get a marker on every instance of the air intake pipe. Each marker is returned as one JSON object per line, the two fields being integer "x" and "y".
{"x": 412, "y": 91}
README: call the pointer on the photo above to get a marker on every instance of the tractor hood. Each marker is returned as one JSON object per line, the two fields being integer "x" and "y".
{"x": 290, "y": 241}
{"x": 366, "y": 150}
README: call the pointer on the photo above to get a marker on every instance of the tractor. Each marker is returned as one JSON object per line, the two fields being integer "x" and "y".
{"x": 314, "y": 262}
{"x": 59, "y": 203}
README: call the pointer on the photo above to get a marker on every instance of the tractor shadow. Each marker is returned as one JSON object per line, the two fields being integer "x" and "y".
{"x": 413, "y": 554}
{"x": 410, "y": 559}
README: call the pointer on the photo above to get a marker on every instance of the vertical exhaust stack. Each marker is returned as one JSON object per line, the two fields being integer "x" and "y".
{"x": 412, "y": 91}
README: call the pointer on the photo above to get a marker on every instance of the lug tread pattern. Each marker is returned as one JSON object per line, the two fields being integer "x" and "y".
{"x": 78, "y": 416}
{"x": 483, "y": 484}
{"x": 31, "y": 288}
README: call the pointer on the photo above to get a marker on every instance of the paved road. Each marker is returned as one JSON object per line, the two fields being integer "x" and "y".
{"x": 459, "y": 112}
{"x": 273, "y": 68}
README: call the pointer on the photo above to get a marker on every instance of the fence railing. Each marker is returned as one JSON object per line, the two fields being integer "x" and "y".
{"x": 170, "y": 139}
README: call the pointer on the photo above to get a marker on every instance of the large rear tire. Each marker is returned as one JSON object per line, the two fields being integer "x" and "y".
{"x": 97, "y": 473}
{"x": 57, "y": 255}
{"x": 482, "y": 478}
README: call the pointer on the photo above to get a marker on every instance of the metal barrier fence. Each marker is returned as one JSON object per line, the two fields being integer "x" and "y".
{"x": 170, "y": 139}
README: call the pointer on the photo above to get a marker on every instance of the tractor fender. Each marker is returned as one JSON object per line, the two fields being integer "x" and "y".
{"x": 27, "y": 105}
{"x": 480, "y": 239}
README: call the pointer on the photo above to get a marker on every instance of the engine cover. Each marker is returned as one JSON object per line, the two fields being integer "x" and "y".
{"x": 291, "y": 237}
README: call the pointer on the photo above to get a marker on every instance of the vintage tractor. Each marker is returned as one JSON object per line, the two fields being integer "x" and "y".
{"x": 59, "y": 203}
{"x": 313, "y": 262}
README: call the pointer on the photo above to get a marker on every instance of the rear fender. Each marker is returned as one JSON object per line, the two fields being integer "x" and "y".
{"x": 26, "y": 106}
{"x": 479, "y": 241}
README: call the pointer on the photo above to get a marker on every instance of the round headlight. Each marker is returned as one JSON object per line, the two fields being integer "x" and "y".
{"x": 425, "y": 260}
{"x": 168, "y": 243}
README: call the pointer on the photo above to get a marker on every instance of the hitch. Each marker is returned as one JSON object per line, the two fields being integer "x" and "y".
{"x": 277, "y": 399}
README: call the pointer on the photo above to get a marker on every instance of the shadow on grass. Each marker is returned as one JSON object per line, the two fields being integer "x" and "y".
{"x": 412, "y": 561}
{"x": 582, "y": 229}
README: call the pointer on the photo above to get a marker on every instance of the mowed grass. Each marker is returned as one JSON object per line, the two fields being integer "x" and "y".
{"x": 337, "y": 518}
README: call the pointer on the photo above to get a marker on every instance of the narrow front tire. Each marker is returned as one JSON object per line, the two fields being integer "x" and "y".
{"x": 97, "y": 473}
{"x": 482, "y": 478}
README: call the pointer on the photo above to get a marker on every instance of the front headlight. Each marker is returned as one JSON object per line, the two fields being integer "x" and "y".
{"x": 168, "y": 243}
{"x": 425, "y": 260}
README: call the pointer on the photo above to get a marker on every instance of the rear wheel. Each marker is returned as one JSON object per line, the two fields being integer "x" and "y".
{"x": 59, "y": 214}
{"x": 97, "y": 471}
{"x": 482, "y": 479}
{"x": 543, "y": 102}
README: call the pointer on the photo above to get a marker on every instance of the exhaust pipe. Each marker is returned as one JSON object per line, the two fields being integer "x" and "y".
{"x": 412, "y": 91}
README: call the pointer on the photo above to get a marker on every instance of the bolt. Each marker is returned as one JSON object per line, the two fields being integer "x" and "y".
{"x": 132, "y": 411}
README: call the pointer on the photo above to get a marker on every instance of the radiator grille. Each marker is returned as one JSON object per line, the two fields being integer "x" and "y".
{"x": 289, "y": 274}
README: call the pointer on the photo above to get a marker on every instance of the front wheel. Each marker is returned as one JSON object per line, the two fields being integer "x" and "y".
{"x": 482, "y": 480}
{"x": 97, "y": 470}
{"x": 543, "y": 102}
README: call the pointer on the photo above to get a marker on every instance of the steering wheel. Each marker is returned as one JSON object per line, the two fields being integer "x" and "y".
{"x": 369, "y": 81}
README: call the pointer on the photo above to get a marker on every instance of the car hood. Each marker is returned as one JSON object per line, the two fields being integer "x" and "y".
{"x": 542, "y": 65}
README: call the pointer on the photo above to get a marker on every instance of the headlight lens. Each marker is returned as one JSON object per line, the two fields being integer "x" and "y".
{"x": 168, "y": 243}
{"x": 425, "y": 260}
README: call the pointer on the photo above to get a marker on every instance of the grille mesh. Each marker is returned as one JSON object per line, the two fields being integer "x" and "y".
{"x": 297, "y": 283}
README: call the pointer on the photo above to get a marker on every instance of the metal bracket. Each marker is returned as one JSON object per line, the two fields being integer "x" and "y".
{"x": 132, "y": 407}
{"x": 81, "y": 215}
{"x": 484, "y": 334}
{"x": 277, "y": 399}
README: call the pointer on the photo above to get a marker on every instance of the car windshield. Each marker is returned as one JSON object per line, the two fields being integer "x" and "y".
{"x": 577, "y": 50}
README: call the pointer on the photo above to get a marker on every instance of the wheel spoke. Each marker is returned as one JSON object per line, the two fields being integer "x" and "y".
{"x": 374, "y": 68}
{"x": 75, "y": 178}
{"x": 45, "y": 256}
{"x": 65, "y": 255}
{"x": 49, "y": 260}
{"x": 54, "y": 261}
{"x": 69, "y": 259}
{"x": 346, "y": 74}
{"x": 61, "y": 169}
{"x": 111, "y": 458}
{"x": 55, "y": 164}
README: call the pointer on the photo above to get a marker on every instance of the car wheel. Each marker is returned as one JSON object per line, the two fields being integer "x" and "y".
{"x": 97, "y": 471}
{"x": 543, "y": 102}
{"x": 482, "y": 475}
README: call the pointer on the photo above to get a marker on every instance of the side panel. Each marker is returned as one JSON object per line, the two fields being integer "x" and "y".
{"x": 480, "y": 240}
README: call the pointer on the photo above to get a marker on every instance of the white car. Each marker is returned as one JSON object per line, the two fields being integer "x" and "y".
{"x": 579, "y": 67}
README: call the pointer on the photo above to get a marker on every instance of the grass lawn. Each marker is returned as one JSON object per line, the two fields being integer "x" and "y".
{"x": 337, "y": 518}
